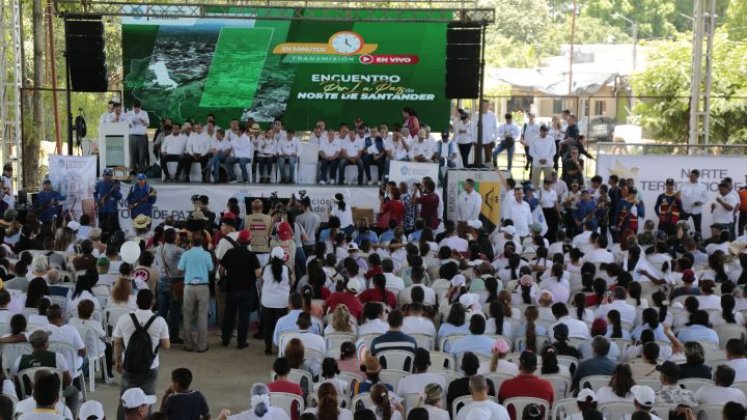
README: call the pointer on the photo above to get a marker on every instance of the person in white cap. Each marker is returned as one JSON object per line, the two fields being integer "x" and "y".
{"x": 91, "y": 410}
{"x": 136, "y": 404}
{"x": 481, "y": 406}
{"x": 644, "y": 399}
{"x": 587, "y": 405}
{"x": 259, "y": 409}
{"x": 275, "y": 287}
{"x": 469, "y": 202}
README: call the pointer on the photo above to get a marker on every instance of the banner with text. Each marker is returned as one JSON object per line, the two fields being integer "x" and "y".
{"x": 75, "y": 178}
{"x": 650, "y": 172}
{"x": 174, "y": 200}
{"x": 303, "y": 70}
{"x": 412, "y": 172}
{"x": 487, "y": 183}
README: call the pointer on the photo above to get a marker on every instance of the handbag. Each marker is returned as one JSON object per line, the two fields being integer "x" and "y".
{"x": 176, "y": 284}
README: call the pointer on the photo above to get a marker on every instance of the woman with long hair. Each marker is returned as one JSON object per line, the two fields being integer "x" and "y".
{"x": 708, "y": 299}
{"x": 295, "y": 353}
{"x": 379, "y": 293}
{"x": 504, "y": 297}
{"x": 343, "y": 212}
{"x": 64, "y": 240}
{"x": 550, "y": 365}
{"x": 456, "y": 322}
{"x": 498, "y": 362}
{"x": 530, "y": 329}
{"x": 275, "y": 287}
{"x": 650, "y": 321}
{"x": 614, "y": 326}
{"x": 385, "y": 409}
{"x": 599, "y": 291}
{"x": 695, "y": 366}
{"x": 634, "y": 295}
{"x": 527, "y": 290}
{"x": 618, "y": 389}
{"x": 497, "y": 324}
{"x": 430, "y": 400}
{"x": 580, "y": 312}
{"x": 37, "y": 289}
{"x": 411, "y": 122}
{"x": 328, "y": 408}
{"x": 341, "y": 322}
{"x": 83, "y": 290}
{"x": 727, "y": 315}
{"x": 557, "y": 283}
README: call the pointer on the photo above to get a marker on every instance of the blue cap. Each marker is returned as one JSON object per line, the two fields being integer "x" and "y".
{"x": 108, "y": 171}
{"x": 140, "y": 176}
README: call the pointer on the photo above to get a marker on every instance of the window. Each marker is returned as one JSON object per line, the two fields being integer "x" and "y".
{"x": 557, "y": 106}
{"x": 600, "y": 107}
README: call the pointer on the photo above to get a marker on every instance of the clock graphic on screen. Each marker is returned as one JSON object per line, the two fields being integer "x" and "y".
{"x": 346, "y": 42}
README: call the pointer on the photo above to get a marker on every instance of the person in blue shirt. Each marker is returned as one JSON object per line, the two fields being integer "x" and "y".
{"x": 650, "y": 317}
{"x": 196, "y": 265}
{"x": 364, "y": 233}
{"x": 48, "y": 205}
{"x": 141, "y": 198}
{"x": 698, "y": 329}
{"x": 530, "y": 198}
{"x": 107, "y": 194}
{"x": 379, "y": 158}
{"x": 585, "y": 209}
{"x": 477, "y": 342}
{"x": 287, "y": 323}
{"x": 388, "y": 235}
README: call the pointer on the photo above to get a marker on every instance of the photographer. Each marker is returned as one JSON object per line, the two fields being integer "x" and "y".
{"x": 428, "y": 201}
{"x": 201, "y": 203}
{"x": 390, "y": 208}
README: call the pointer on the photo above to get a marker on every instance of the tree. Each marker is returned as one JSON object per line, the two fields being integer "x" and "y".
{"x": 665, "y": 85}
{"x": 33, "y": 134}
{"x": 654, "y": 17}
{"x": 736, "y": 19}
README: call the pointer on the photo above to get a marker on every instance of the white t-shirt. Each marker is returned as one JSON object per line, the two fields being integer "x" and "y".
{"x": 345, "y": 216}
{"x": 66, "y": 334}
{"x": 343, "y": 413}
{"x": 720, "y": 214}
{"x": 352, "y": 147}
{"x": 416, "y": 383}
{"x": 424, "y": 148}
{"x": 158, "y": 330}
{"x": 290, "y": 147}
{"x": 418, "y": 325}
{"x": 397, "y": 148}
{"x": 712, "y": 394}
{"x": 242, "y": 147}
{"x": 497, "y": 411}
{"x": 174, "y": 145}
{"x": 373, "y": 326}
{"x": 329, "y": 149}
{"x": 25, "y": 408}
{"x": 275, "y": 294}
{"x": 740, "y": 367}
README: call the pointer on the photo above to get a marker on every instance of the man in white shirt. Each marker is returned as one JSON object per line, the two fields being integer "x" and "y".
{"x": 542, "y": 151}
{"x": 289, "y": 148}
{"x": 575, "y": 328}
{"x": 394, "y": 283}
{"x": 221, "y": 150}
{"x": 138, "y": 121}
{"x": 405, "y": 296}
{"x": 737, "y": 356}
{"x": 352, "y": 153}
{"x": 550, "y": 204}
{"x": 416, "y": 383}
{"x": 159, "y": 337}
{"x": 469, "y": 203}
{"x": 464, "y": 135}
{"x": 723, "y": 208}
{"x": 481, "y": 406}
{"x": 507, "y": 133}
{"x": 416, "y": 323}
{"x": 599, "y": 253}
{"x": 242, "y": 153}
{"x": 693, "y": 195}
{"x": 582, "y": 241}
{"x": 397, "y": 148}
{"x": 529, "y": 133}
{"x": 115, "y": 116}
{"x": 421, "y": 150}
{"x": 267, "y": 154}
{"x": 329, "y": 158}
{"x": 105, "y": 116}
{"x": 489, "y": 130}
{"x": 172, "y": 150}
{"x": 518, "y": 211}
{"x": 721, "y": 391}
{"x": 317, "y": 136}
{"x": 197, "y": 150}
{"x": 627, "y": 312}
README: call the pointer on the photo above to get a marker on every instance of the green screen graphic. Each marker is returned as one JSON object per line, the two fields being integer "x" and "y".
{"x": 302, "y": 71}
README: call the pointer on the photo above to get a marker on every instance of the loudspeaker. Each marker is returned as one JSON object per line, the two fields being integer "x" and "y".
{"x": 84, "y": 46}
{"x": 463, "y": 48}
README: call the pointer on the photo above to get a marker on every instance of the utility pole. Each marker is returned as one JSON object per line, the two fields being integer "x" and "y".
{"x": 573, "y": 40}
{"x": 704, "y": 26}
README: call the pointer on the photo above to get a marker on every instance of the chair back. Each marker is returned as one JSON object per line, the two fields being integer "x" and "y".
{"x": 653, "y": 383}
{"x": 68, "y": 352}
{"x": 564, "y": 408}
{"x": 90, "y": 338}
{"x": 594, "y": 381}
{"x": 458, "y": 404}
{"x": 442, "y": 361}
{"x": 616, "y": 409}
{"x": 622, "y": 344}
{"x": 710, "y": 411}
{"x": 396, "y": 359}
{"x": 309, "y": 153}
{"x": 410, "y": 401}
{"x": 26, "y": 379}
{"x": 694, "y": 384}
{"x": 449, "y": 375}
{"x": 424, "y": 341}
{"x": 334, "y": 341}
{"x": 363, "y": 399}
{"x": 112, "y": 315}
{"x": 498, "y": 378}
{"x": 290, "y": 403}
{"x": 481, "y": 357}
{"x": 520, "y": 343}
{"x": 568, "y": 361}
{"x": 561, "y": 384}
{"x": 11, "y": 352}
{"x": 365, "y": 340}
{"x": 728, "y": 331}
{"x": 519, "y": 403}
{"x": 662, "y": 410}
{"x": 392, "y": 377}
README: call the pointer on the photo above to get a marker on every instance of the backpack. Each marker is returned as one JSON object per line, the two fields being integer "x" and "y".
{"x": 139, "y": 354}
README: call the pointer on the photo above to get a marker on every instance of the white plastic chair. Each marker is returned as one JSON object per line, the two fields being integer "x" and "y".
{"x": 568, "y": 361}
{"x": 616, "y": 409}
{"x": 560, "y": 384}
{"x": 653, "y": 383}
{"x": 451, "y": 339}
{"x": 410, "y": 401}
{"x": 449, "y": 375}
{"x": 740, "y": 385}
{"x": 424, "y": 341}
{"x": 442, "y": 361}
{"x": 728, "y": 331}
{"x": 459, "y": 403}
{"x": 396, "y": 359}
{"x": 284, "y": 401}
{"x": 710, "y": 411}
{"x": 335, "y": 340}
{"x": 11, "y": 352}
{"x": 392, "y": 377}
{"x": 91, "y": 339}
{"x": 694, "y": 384}
{"x": 366, "y": 340}
{"x": 364, "y": 398}
{"x": 498, "y": 378}
{"x": 112, "y": 315}
{"x": 480, "y": 357}
{"x": 520, "y": 402}
{"x": 594, "y": 381}
{"x": 26, "y": 377}
{"x": 564, "y": 408}
{"x": 662, "y": 410}
{"x": 71, "y": 355}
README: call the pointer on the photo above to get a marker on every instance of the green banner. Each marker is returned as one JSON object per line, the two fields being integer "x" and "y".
{"x": 302, "y": 71}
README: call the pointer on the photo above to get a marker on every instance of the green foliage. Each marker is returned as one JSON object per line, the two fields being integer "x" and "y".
{"x": 667, "y": 82}
{"x": 654, "y": 17}
{"x": 736, "y": 19}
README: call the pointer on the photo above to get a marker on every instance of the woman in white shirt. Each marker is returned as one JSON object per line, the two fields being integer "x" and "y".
{"x": 83, "y": 291}
{"x": 727, "y": 315}
{"x": 274, "y": 294}
{"x": 618, "y": 390}
{"x": 342, "y": 211}
{"x": 708, "y": 300}
{"x": 557, "y": 284}
{"x": 385, "y": 408}
{"x": 497, "y": 324}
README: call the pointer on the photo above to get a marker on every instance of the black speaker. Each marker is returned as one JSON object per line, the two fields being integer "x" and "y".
{"x": 84, "y": 46}
{"x": 463, "y": 48}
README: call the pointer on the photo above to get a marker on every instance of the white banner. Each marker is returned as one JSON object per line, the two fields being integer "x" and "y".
{"x": 412, "y": 172}
{"x": 650, "y": 172}
{"x": 175, "y": 199}
{"x": 75, "y": 178}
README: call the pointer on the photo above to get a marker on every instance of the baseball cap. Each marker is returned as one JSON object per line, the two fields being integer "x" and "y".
{"x": 501, "y": 346}
{"x": 108, "y": 172}
{"x": 585, "y": 394}
{"x": 39, "y": 336}
{"x": 475, "y": 224}
{"x": 245, "y": 236}
{"x": 458, "y": 280}
{"x": 669, "y": 369}
{"x": 278, "y": 252}
{"x": 141, "y": 177}
{"x": 669, "y": 181}
{"x": 509, "y": 229}
{"x": 135, "y": 397}
{"x": 644, "y": 395}
{"x": 353, "y": 247}
{"x": 285, "y": 232}
{"x": 73, "y": 225}
{"x": 90, "y": 409}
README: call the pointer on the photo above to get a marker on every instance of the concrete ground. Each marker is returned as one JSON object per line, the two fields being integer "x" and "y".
{"x": 223, "y": 374}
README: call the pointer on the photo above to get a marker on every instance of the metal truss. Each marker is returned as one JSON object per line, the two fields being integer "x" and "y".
{"x": 404, "y": 11}
{"x": 10, "y": 86}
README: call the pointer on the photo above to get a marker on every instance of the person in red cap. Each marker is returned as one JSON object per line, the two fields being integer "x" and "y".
{"x": 240, "y": 270}
{"x": 688, "y": 280}
{"x": 284, "y": 240}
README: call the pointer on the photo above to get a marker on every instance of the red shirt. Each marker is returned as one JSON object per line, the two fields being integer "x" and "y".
{"x": 429, "y": 210}
{"x": 348, "y": 299}
{"x": 391, "y": 210}
{"x": 289, "y": 387}
{"x": 375, "y": 296}
{"x": 373, "y": 271}
{"x": 525, "y": 386}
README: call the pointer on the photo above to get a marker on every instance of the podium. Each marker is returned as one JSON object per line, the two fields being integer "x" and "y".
{"x": 114, "y": 145}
